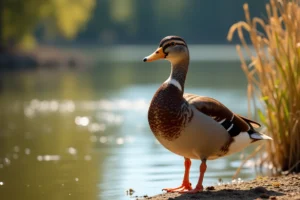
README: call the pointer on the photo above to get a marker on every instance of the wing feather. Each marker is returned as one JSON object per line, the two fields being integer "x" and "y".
{"x": 254, "y": 124}
{"x": 233, "y": 123}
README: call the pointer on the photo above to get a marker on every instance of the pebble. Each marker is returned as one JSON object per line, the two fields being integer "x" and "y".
{"x": 275, "y": 184}
{"x": 210, "y": 188}
{"x": 260, "y": 189}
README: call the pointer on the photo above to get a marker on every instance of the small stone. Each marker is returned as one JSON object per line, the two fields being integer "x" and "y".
{"x": 210, "y": 188}
{"x": 131, "y": 190}
{"x": 275, "y": 184}
{"x": 264, "y": 195}
{"x": 273, "y": 198}
{"x": 260, "y": 189}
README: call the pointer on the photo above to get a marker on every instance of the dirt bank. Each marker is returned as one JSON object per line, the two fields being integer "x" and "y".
{"x": 282, "y": 187}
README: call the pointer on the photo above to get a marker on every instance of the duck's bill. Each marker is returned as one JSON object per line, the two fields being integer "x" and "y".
{"x": 156, "y": 55}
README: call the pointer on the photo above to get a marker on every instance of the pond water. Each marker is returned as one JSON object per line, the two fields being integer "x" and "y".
{"x": 85, "y": 134}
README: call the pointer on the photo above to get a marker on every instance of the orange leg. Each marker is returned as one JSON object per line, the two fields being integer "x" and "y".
{"x": 199, "y": 186}
{"x": 186, "y": 185}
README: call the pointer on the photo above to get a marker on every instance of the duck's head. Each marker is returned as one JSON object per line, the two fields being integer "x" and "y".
{"x": 171, "y": 48}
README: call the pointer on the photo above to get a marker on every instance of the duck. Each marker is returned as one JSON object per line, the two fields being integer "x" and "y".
{"x": 193, "y": 126}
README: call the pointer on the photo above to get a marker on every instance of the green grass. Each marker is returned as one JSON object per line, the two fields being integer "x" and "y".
{"x": 273, "y": 76}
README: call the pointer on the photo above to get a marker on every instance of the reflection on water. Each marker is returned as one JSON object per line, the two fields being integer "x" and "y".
{"x": 85, "y": 135}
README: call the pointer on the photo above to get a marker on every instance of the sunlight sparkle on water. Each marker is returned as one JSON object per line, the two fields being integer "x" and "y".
{"x": 54, "y": 105}
{"x": 82, "y": 121}
{"x": 39, "y": 158}
{"x": 95, "y": 127}
{"x": 36, "y": 105}
{"x": 103, "y": 139}
{"x": 48, "y": 157}
{"x": 27, "y": 151}
{"x": 72, "y": 150}
{"x": 119, "y": 104}
{"x": 6, "y": 161}
{"x": 120, "y": 141}
{"x": 111, "y": 118}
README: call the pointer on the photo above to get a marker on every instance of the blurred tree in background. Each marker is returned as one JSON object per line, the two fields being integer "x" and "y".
{"x": 145, "y": 22}
{"x": 21, "y": 18}
{"x": 104, "y": 22}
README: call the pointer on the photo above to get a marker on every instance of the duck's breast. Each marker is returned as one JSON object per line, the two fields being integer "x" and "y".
{"x": 201, "y": 138}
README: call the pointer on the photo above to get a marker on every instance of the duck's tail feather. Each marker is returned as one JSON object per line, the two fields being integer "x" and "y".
{"x": 259, "y": 136}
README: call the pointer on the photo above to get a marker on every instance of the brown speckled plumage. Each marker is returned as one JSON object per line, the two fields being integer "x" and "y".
{"x": 225, "y": 147}
{"x": 168, "y": 113}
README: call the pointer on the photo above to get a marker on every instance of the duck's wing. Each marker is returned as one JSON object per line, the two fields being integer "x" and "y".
{"x": 254, "y": 124}
{"x": 233, "y": 123}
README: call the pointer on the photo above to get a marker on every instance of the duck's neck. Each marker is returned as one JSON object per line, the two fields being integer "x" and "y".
{"x": 168, "y": 111}
{"x": 178, "y": 74}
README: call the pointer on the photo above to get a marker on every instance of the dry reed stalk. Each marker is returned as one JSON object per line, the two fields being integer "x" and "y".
{"x": 274, "y": 77}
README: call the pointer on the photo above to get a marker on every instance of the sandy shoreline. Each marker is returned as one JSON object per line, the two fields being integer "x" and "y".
{"x": 281, "y": 187}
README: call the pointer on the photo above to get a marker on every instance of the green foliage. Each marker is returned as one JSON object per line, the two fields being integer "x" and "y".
{"x": 20, "y": 18}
